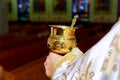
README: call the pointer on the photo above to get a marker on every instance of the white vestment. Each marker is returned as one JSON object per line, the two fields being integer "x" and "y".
{"x": 101, "y": 62}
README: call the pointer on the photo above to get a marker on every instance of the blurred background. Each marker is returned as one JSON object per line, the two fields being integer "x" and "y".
{"x": 24, "y": 28}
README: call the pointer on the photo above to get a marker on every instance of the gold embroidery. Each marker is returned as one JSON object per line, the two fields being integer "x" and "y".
{"x": 91, "y": 75}
{"x": 114, "y": 68}
{"x": 110, "y": 53}
{"x": 104, "y": 67}
{"x": 71, "y": 57}
{"x": 117, "y": 43}
{"x": 64, "y": 76}
{"x": 108, "y": 62}
{"x": 78, "y": 70}
{"x": 80, "y": 78}
{"x": 83, "y": 74}
{"x": 86, "y": 74}
{"x": 76, "y": 78}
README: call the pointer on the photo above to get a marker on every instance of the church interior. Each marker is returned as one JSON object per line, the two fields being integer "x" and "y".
{"x": 24, "y": 30}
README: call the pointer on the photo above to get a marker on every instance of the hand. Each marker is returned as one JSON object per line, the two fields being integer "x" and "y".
{"x": 50, "y": 62}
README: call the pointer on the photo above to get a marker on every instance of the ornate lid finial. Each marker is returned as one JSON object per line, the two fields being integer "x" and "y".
{"x": 74, "y": 21}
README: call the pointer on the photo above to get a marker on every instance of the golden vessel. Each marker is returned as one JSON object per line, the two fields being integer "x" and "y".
{"x": 62, "y": 38}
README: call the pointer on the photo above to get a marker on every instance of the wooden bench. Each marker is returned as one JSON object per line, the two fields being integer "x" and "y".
{"x": 19, "y": 49}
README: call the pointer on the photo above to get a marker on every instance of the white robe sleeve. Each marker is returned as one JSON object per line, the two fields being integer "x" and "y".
{"x": 101, "y": 62}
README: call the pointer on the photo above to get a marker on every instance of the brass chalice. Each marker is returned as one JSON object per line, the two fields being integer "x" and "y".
{"x": 62, "y": 38}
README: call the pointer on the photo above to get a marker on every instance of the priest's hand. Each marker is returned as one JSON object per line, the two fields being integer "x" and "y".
{"x": 50, "y": 62}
